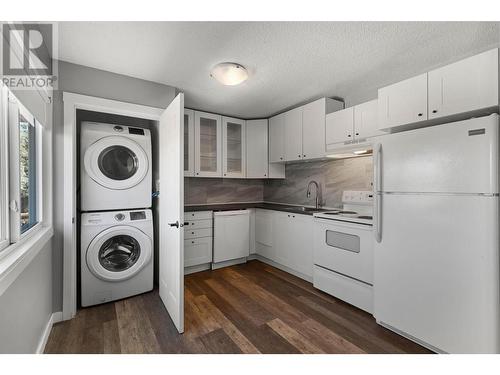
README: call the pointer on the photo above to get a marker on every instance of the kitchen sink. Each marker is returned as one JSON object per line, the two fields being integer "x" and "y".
{"x": 305, "y": 209}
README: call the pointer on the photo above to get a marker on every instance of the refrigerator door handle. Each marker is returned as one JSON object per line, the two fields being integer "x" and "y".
{"x": 378, "y": 217}
{"x": 377, "y": 165}
{"x": 377, "y": 206}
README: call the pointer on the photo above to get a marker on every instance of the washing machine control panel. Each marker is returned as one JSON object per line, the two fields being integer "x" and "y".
{"x": 119, "y": 217}
{"x": 138, "y": 215}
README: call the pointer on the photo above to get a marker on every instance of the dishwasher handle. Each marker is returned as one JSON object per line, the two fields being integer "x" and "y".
{"x": 232, "y": 213}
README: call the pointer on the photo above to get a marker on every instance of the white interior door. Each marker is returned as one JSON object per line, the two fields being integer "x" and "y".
{"x": 171, "y": 223}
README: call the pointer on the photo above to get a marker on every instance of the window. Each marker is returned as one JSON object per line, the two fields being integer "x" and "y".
{"x": 27, "y": 173}
{"x": 20, "y": 160}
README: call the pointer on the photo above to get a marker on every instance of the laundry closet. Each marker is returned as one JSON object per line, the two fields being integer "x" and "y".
{"x": 117, "y": 209}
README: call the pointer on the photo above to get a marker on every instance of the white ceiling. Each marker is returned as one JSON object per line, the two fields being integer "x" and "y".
{"x": 289, "y": 62}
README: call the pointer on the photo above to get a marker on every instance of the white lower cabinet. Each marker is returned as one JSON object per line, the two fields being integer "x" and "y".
{"x": 264, "y": 233}
{"x": 286, "y": 239}
{"x": 197, "y": 251}
{"x": 198, "y": 238}
{"x": 301, "y": 236}
{"x": 281, "y": 227}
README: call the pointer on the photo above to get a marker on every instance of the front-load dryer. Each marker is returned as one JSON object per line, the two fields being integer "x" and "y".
{"x": 115, "y": 170}
{"x": 116, "y": 255}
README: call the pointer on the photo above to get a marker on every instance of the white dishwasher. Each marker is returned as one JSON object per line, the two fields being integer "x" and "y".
{"x": 231, "y": 237}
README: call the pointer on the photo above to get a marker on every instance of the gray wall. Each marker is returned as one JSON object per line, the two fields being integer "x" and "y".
{"x": 334, "y": 176}
{"x": 93, "y": 82}
{"x": 26, "y": 306}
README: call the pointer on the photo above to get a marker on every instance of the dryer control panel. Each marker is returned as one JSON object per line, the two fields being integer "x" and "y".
{"x": 115, "y": 217}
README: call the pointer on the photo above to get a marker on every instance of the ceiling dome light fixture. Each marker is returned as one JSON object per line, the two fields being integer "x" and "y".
{"x": 229, "y": 74}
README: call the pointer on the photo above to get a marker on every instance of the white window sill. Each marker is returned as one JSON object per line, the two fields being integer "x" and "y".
{"x": 15, "y": 258}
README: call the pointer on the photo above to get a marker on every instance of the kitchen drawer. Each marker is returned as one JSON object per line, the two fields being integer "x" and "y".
{"x": 197, "y": 224}
{"x": 352, "y": 291}
{"x": 197, "y": 233}
{"x": 197, "y": 215}
{"x": 197, "y": 251}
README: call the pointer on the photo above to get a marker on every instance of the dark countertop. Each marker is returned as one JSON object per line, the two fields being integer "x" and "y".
{"x": 243, "y": 206}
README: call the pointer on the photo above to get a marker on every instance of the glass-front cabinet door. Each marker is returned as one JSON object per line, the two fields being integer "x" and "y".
{"x": 208, "y": 145}
{"x": 233, "y": 147}
{"x": 188, "y": 142}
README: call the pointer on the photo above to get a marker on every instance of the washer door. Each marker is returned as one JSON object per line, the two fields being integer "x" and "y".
{"x": 118, "y": 253}
{"x": 116, "y": 162}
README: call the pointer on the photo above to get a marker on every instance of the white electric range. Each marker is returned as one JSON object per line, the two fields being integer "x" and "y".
{"x": 343, "y": 250}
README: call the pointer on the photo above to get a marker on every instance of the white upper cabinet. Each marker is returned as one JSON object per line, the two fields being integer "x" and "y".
{"x": 293, "y": 134}
{"x": 208, "y": 144}
{"x": 188, "y": 142}
{"x": 403, "y": 102}
{"x": 464, "y": 86}
{"x": 257, "y": 149}
{"x": 233, "y": 147}
{"x": 277, "y": 138}
{"x": 313, "y": 129}
{"x": 340, "y": 126}
{"x": 366, "y": 120}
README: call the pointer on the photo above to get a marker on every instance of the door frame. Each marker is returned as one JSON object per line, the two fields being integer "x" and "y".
{"x": 72, "y": 102}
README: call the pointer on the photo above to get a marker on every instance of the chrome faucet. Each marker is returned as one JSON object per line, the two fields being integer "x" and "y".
{"x": 319, "y": 199}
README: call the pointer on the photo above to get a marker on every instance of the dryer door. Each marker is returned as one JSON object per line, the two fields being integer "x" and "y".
{"x": 118, "y": 253}
{"x": 116, "y": 162}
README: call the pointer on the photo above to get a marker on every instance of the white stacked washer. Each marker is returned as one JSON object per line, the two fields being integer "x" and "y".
{"x": 116, "y": 255}
{"x": 116, "y": 246}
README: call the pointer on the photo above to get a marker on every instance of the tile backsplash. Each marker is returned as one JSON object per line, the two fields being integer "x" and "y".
{"x": 218, "y": 190}
{"x": 334, "y": 176}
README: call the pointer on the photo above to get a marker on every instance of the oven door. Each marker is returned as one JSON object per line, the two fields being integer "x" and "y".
{"x": 345, "y": 248}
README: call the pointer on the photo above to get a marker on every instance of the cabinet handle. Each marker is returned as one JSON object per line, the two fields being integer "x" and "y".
{"x": 288, "y": 215}
{"x": 357, "y": 133}
{"x": 434, "y": 111}
{"x": 265, "y": 175}
{"x": 304, "y": 155}
{"x": 224, "y": 174}
{"x": 281, "y": 158}
{"x": 300, "y": 156}
{"x": 348, "y": 135}
{"x": 192, "y": 241}
{"x": 197, "y": 173}
{"x": 420, "y": 114}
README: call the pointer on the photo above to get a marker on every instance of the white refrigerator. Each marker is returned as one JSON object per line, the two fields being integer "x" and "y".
{"x": 436, "y": 223}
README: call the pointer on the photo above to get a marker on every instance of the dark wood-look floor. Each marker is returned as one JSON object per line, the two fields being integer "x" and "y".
{"x": 250, "y": 308}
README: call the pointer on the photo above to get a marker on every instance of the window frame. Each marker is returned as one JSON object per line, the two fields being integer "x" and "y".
{"x": 4, "y": 166}
{"x": 15, "y": 108}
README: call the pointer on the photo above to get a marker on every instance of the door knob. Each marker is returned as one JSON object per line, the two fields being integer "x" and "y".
{"x": 176, "y": 224}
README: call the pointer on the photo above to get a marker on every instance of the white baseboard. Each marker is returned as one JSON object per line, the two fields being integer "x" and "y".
{"x": 281, "y": 267}
{"x": 54, "y": 318}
